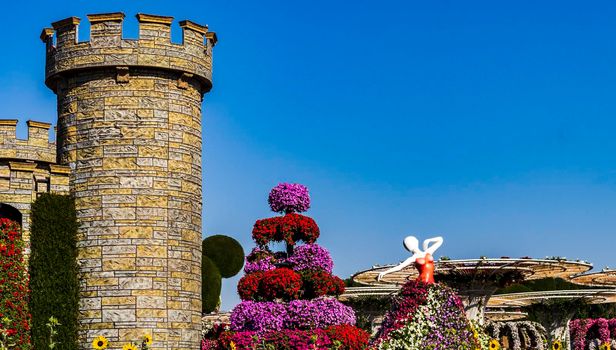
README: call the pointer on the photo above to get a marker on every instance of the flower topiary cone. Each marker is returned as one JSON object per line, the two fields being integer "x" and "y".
{"x": 288, "y": 298}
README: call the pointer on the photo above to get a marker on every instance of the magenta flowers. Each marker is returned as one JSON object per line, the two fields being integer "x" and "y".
{"x": 259, "y": 260}
{"x": 311, "y": 257}
{"x": 289, "y": 198}
{"x": 585, "y": 331}
{"x": 297, "y": 314}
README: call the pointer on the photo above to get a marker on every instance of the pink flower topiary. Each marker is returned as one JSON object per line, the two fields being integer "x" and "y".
{"x": 289, "y": 198}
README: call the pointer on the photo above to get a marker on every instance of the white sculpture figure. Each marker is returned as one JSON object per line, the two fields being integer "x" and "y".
{"x": 423, "y": 259}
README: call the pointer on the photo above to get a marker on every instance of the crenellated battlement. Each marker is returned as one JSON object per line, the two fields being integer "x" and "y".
{"x": 28, "y": 168}
{"x": 107, "y": 48}
{"x": 37, "y": 147}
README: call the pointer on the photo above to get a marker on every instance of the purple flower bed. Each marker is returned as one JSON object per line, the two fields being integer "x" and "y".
{"x": 318, "y": 313}
{"x": 289, "y": 198}
{"x": 305, "y": 257}
{"x": 259, "y": 265}
{"x": 259, "y": 260}
{"x": 297, "y": 314}
{"x": 311, "y": 257}
{"x": 258, "y": 316}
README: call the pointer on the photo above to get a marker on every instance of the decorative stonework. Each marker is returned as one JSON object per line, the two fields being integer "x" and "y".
{"x": 129, "y": 128}
{"x": 107, "y": 48}
{"x": 27, "y": 168}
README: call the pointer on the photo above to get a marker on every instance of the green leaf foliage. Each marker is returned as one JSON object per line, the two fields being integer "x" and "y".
{"x": 540, "y": 285}
{"x": 53, "y": 270}
{"x": 597, "y": 311}
{"x": 226, "y": 253}
{"x": 210, "y": 292}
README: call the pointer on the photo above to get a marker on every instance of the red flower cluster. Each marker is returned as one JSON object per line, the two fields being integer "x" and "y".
{"x": 319, "y": 283}
{"x": 248, "y": 286}
{"x": 287, "y": 284}
{"x": 13, "y": 285}
{"x": 290, "y": 228}
{"x": 282, "y": 283}
{"x": 349, "y": 337}
{"x": 343, "y": 337}
{"x": 216, "y": 330}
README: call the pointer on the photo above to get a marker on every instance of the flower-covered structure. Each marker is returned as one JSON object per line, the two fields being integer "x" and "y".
{"x": 554, "y": 309}
{"x": 289, "y": 298}
{"x": 427, "y": 316}
{"x": 599, "y": 333}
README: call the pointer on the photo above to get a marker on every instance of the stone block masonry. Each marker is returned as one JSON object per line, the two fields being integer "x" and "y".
{"x": 129, "y": 129}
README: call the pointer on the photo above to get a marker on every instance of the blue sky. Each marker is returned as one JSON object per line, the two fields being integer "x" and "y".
{"x": 490, "y": 123}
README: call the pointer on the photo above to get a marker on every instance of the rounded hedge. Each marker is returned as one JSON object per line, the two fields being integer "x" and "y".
{"x": 212, "y": 284}
{"x": 226, "y": 253}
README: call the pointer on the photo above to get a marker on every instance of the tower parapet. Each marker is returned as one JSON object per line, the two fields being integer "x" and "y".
{"x": 28, "y": 167}
{"x": 37, "y": 147}
{"x": 107, "y": 48}
{"x": 129, "y": 128}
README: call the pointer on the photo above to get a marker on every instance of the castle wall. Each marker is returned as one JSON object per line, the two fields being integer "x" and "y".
{"x": 129, "y": 128}
{"x": 27, "y": 168}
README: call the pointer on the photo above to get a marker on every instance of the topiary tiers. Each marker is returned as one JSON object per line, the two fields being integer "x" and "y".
{"x": 211, "y": 285}
{"x": 311, "y": 257}
{"x": 226, "y": 253}
{"x": 296, "y": 314}
{"x": 341, "y": 337}
{"x": 248, "y": 286}
{"x": 259, "y": 260}
{"x": 287, "y": 296}
{"x": 320, "y": 283}
{"x": 282, "y": 283}
{"x": 290, "y": 228}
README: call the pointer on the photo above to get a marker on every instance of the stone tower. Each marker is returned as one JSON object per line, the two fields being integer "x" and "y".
{"x": 129, "y": 128}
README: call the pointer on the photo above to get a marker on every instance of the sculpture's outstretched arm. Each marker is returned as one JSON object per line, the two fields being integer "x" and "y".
{"x": 430, "y": 245}
{"x": 399, "y": 267}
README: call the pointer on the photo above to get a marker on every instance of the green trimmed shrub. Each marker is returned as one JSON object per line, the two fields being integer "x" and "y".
{"x": 226, "y": 253}
{"x": 222, "y": 257}
{"x": 212, "y": 285}
{"x": 54, "y": 277}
